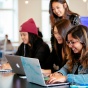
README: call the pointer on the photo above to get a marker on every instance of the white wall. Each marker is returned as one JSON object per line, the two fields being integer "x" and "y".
{"x": 79, "y": 7}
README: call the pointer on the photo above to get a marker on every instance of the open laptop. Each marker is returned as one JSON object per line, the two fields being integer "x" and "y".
{"x": 16, "y": 64}
{"x": 33, "y": 72}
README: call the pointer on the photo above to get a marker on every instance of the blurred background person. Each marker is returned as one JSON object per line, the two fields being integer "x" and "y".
{"x": 6, "y": 44}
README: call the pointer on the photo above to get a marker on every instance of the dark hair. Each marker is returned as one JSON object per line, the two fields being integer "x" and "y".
{"x": 33, "y": 38}
{"x": 54, "y": 17}
{"x": 79, "y": 32}
{"x": 62, "y": 26}
{"x": 39, "y": 33}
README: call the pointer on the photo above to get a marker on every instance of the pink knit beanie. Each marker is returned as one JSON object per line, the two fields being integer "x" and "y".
{"x": 29, "y": 26}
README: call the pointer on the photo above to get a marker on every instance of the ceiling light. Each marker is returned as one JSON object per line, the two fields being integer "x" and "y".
{"x": 26, "y": 1}
{"x": 84, "y": 0}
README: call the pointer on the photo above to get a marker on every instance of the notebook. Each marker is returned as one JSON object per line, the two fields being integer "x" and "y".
{"x": 33, "y": 72}
{"x": 16, "y": 64}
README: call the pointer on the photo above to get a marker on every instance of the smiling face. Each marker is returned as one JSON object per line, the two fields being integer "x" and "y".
{"x": 58, "y": 9}
{"x": 74, "y": 44}
{"x": 57, "y": 36}
{"x": 25, "y": 37}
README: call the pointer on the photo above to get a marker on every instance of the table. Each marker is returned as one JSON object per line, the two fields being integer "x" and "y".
{"x": 11, "y": 80}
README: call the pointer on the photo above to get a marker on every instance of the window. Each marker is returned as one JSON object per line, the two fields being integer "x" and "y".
{"x": 46, "y": 28}
{"x": 8, "y": 19}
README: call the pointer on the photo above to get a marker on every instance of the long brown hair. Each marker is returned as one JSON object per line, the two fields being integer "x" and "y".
{"x": 62, "y": 26}
{"x": 79, "y": 32}
{"x": 54, "y": 17}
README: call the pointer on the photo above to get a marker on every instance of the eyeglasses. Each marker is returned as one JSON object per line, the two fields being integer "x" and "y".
{"x": 71, "y": 42}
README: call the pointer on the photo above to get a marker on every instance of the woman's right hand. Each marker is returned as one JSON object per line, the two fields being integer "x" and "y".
{"x": 56, "y": 77}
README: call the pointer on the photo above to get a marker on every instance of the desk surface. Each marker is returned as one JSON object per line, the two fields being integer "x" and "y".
{"x": 10, "y": 80}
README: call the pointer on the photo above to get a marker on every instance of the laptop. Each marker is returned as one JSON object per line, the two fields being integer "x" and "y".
{"x": 33, "y": 72}
{"x": 16, "y": 64}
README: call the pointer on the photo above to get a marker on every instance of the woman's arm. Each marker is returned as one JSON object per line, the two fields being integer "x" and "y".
{"x": 78, "y": 79}
{"x": 64, "y": 70}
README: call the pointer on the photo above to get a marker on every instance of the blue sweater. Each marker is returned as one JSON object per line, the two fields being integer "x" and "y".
{"x": 80, "y": 78}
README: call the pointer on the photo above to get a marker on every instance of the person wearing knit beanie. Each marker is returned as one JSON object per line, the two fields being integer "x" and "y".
{"x": 29, "y": 26}
{"x": 27, "y": 29}
{"x": 32, "y": 46}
